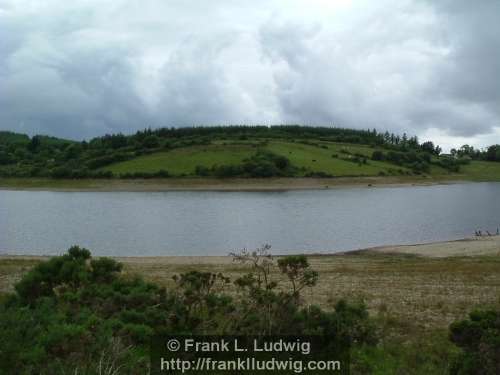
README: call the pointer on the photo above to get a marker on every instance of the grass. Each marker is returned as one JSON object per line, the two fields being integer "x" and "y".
{"x": 319, "y": 159}
{"x": 482, "y": 171}
{"x": 12, "y": 270}
{"x": 316, "y": 157}
{"x": 183, "y": 161}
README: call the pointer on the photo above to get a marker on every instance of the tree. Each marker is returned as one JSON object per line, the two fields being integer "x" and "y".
{"x": 34, "y": 144}
{"x": 493, "y": 153}
{"x": 429, "y": 147}
{"x": 151, "y": 141}
{"x": 296, "y": 268}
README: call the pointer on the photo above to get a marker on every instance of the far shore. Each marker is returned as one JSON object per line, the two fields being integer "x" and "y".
{"x": 212, "y": 184}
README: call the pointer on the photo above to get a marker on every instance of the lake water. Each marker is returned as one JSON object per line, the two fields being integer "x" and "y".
{"x": 215, "y": 223}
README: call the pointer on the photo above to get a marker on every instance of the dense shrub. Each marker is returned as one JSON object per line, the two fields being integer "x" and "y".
{"x": 146, "y": 175}
{"x": 261, "y": 164}
{"x": 223, "y": 171}
{"x": 493, "y": 153}
{"x": 378, "y": 155}
{"x": 451, "y": 164}
{"x": 74, "y": 314}
{"x": 479, "y": 339}
{"x": 202, "y": 171}
{"x": 318, "y": 174}
{"x": 76, "y": 173}
{"x": 418, "y": 162}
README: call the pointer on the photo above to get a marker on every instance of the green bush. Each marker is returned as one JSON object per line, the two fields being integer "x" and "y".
{"x": 479, "y": 339}
{"x": 73, "y": 312}
{"x": 261, "y": 164}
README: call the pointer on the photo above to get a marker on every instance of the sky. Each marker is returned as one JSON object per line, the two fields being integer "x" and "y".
{"x": 83, "y": 68}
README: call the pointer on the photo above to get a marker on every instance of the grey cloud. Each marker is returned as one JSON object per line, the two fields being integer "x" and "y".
{"x": 341, "y": 77}
{"x": 464, "y": 96}
{"x": 407, "y": 66}
{"x": 419, "y": 68}
{"x": 474, "y": 35}
{"x": 82, "y": 93}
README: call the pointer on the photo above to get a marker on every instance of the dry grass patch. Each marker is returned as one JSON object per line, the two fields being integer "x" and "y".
{"x": 428, "y": 292}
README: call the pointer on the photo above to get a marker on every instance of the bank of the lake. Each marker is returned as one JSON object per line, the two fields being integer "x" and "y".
{"x": 422, "y": 287}
{"x": 229, "y": 184}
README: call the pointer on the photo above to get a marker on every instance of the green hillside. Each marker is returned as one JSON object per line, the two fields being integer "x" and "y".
{"x": 330, "y": 158}
{"x": 244, "y": 152}
{"x": 8, "y": 138}
{"x": 478, "y": 170}
{"x": 183, "y": 161}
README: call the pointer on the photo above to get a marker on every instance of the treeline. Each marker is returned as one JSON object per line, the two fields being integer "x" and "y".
{"x": 42, "y": 156}
{"x": 492, "y": 153}
{"x": 419, "y": 162}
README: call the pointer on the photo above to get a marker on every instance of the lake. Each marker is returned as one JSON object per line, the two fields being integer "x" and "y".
{"x": 215, "y": 223}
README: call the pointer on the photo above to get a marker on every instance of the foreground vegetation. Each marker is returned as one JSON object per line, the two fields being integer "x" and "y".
{"x": 397, "y": 307}
{"x": 240, "y": 151}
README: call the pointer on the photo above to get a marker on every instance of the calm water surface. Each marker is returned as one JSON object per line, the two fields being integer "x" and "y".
{"x": 214, "y": 223}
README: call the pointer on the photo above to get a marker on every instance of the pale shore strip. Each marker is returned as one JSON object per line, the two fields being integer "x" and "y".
{"x": 475, "y": 246}
{"x": 212, "y": 184}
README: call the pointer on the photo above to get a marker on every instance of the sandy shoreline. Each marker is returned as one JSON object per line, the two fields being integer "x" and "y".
{"x": 431, "y": 290}
{"x": 474, "y": 246}
{"x": 477, "y": 246}
{"x": 209, "y": 184}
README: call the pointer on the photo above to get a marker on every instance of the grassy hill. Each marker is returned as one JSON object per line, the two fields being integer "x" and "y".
{"x": 239, "y": 151}
{"x": 7, "y": 138}
{"x": 478, "y": 170}
{"x": 183, "y": 161}
{"x": 330, "y": 158}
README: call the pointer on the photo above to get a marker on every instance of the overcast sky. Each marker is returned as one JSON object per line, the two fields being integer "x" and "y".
{"x": 80, "y": 69}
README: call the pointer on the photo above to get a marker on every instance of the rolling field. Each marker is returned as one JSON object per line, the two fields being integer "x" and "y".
{"x": 183, "y": 161}
{"x": 482, "y": 171}
{"x": 311, "y": 158}
{"x": 318, "y": 159}
{"x": 328, "y": 157}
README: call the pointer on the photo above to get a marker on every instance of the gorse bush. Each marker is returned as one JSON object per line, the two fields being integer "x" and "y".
{"x": 75, "y": 314}
{"x": 479, "y": 339}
